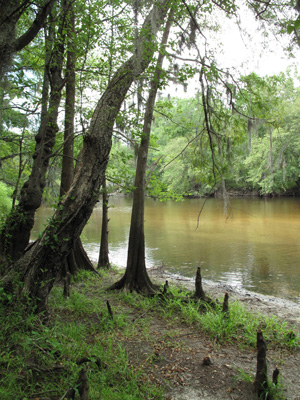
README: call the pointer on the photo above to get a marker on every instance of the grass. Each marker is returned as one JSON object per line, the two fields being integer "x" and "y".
{"x": 239, "y": 325}
{"x": 276, "y": 392}
{"x": 40, "y": 359}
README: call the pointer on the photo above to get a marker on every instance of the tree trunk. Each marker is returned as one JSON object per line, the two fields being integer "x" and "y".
{"x": 67, "y": 171}
{"x": 7, "y": 33}
{"x": 199, "y": 291}
{"x": 9, "y": 244}
{"x": 77, "y": 259}
{"x": 103, "y": 261}
{"x": 271, "y": 157}
{"x": 136, "y": 276}
{"x": 10, "y": 14}
{"x": 20, "y": 171}
{"x": 16, "y": 232}
{"x": 250, "y": 131}
{"x": 39, "y": 266}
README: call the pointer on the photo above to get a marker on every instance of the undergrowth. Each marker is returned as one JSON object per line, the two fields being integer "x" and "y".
{"x": 238, "y": 325}
{"x": 273, "y": 391}
{"x": 43, "y": 360}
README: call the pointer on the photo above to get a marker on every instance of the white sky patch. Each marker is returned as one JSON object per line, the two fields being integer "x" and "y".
{"x": 252, "y": 51}
{"x": 242, "y": 48}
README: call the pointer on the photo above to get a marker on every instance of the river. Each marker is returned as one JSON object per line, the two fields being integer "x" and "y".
{"x": 255, "y": 247}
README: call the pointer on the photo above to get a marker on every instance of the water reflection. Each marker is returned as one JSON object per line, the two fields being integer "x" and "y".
{"x": 257, "y": 248}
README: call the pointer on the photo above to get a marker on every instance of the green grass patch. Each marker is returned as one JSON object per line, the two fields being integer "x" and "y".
{"x": 239, "y": 325}
{"x": 40, "y": 360}
{"x": 275, "y": 391}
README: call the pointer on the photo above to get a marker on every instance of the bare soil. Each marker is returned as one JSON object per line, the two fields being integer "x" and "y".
{"x": 173, "y": 356}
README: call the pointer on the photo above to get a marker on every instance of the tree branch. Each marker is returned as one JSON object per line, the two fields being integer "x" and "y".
{"x": 35, "y": 27}
{"x": 183, "y": 150}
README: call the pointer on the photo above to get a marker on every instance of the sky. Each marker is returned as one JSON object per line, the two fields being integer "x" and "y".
{"x": 265, "y": 55}
{"x": 245, "y": 51}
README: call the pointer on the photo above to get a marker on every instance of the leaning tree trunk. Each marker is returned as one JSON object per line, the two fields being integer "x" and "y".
{"x": 77, "y": 258}
{"x": 136, "y": 276}
{"x": 16, "y": 232}
{"x": 10, "y": 248}
{"x": 39, "y": 266}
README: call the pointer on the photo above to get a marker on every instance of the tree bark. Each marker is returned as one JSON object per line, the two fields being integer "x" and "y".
{"x": 11, "y": 12}
{"x": 136, "y": 276}
{"x": 225, "y": 307}
{"x": 16, "y": 232}
{"x": 103, "y": 261}
{"x": 199, "y": 291}
{"x": 77, "y": 259}
{"x": 39, "y": 266}
{"x": 261, "y": 378}
{"x": 67, "y": 171}
{"x": 20, "y": 171}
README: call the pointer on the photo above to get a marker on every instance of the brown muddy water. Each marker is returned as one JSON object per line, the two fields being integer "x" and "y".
{"x": 255, "y": 247}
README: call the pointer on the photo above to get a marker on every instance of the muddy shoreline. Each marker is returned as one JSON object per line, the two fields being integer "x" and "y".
{"x": 286, "y": 310}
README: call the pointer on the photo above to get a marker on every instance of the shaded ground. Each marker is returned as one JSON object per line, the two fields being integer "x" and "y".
{"x": 143, "y": 341}
{"x": 172, "y": 355}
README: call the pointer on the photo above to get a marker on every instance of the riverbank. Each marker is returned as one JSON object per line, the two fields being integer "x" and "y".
{"x": 126, "y": 346}
{"x": 231, "y": 361}
{"x": 172, "y": 352}
{"x": 269, "y": 305}
{"x": 230, "y": 357}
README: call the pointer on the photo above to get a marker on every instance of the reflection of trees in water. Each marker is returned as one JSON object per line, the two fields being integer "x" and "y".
{"x": 263, "y": 267}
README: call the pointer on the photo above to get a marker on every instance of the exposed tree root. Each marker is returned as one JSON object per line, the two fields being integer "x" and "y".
{"x": 225, "y": 307}
{"x": 261, "y": 378}
{"x": 76, "y": 260}
{"x": 140, "y": 284}
{"x": 199, "y": 292}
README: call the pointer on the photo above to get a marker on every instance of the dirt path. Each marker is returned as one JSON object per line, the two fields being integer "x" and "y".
{"x": 173, "y": 356}
{"x": 177, "y": 364}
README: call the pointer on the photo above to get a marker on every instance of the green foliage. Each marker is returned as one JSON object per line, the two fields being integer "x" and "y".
{"x": 121, "y": 168}
{"x": 190, "y": 161}
{"x": 276, "y": 174}
{"x": 5, "y": 199}
{"x": 293, "y": 26}
{"x": 239, "y": 325}
{"x": 184, "y": 160}
{"x": 178, "y": 175}
{"x": 39, "y": 359}
{"x": 272, "y": 165}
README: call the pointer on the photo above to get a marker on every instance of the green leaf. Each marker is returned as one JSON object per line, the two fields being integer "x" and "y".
{"x": 297, "y": 23}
